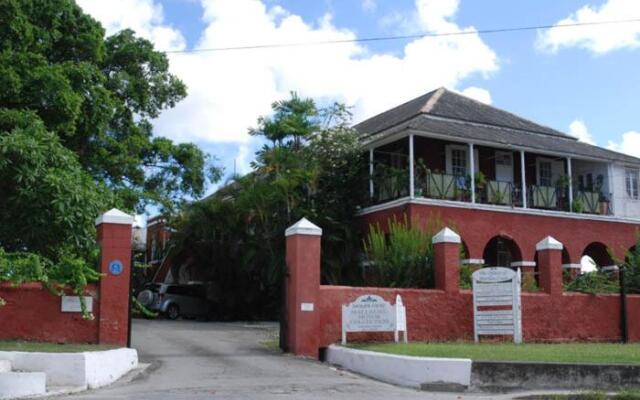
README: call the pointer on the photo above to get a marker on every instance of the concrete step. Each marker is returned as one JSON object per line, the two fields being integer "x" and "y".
{"x": 5, "y": 366}
{"x": 22, "y": 384}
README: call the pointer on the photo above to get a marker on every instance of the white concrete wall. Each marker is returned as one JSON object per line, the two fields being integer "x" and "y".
{"x": 62, "y": 369}
{"x": 87, "y": 370}
{"x": 623, "y": 205}
{"x": 105, "y": 367}
{"x": 21, "y": 384}
{"x": 402, "y": 370}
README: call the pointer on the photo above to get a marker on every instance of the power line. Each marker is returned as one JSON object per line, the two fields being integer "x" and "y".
{"x": 403, "y": 37}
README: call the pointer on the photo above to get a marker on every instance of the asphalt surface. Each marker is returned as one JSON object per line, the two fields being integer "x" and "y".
{"x": 203, "y": 360}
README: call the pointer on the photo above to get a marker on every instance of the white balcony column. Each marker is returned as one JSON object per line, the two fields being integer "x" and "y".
{"x": 610, "y": 195}
{"x": 411, "y": 172}
{"x": 570, "y": 183}
{"x": 523, "y": 179}
{"x": 371, "y": 172}
{"x": 472, "y": 168}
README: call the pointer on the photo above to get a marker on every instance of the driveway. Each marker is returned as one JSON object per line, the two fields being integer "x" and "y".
{"x": 198, "y": 360}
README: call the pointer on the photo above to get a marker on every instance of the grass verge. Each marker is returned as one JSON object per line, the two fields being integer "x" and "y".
{"x": 624, "y": 395}
{"x": 51, "y": 347}
{"x": 593, "y": 353}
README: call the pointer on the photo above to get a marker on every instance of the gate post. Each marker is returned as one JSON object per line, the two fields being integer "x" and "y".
{"x": 114, "y": 237}
{"x": 550, "y": 265}
{"x": 446, "y": 248}
{"x": 303, "y": 284}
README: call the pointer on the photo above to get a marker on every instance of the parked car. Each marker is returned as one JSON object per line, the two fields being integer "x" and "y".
{"x": 173, "y": 300}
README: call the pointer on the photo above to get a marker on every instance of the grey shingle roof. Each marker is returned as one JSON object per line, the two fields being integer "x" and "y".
{"x": 448, "y": 113}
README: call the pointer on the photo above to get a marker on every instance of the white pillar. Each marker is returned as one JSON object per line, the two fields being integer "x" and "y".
{"x": 411, "y": 177}
{"x": 523, "y": 178}
{"x": 570, "y": 183}
{"x": 472, "y": 168}
{"x": 610, "y": 185}
{"x": 371, "y": 172}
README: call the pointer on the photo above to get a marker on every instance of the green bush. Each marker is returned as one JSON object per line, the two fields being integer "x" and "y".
{"x": 593, "y": 283}
{"x": 404, "y": 259}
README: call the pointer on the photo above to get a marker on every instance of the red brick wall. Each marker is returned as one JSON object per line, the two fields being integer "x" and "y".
{"x": 436, "y": 316}
{"x": 32, "y": 313}
{"x": 477, "y": 227}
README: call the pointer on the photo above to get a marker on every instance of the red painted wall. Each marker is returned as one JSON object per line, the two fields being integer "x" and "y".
{"x": 32, "y": 313}
{"x": 477, "y": 227}
{"x": 437, "y": 316}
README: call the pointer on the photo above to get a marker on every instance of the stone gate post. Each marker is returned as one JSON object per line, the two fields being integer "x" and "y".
{"x": 550, "y": 265}
{"x": 303, "y": 284}
{"x": 114, "y": 238}
{"x": 446, "y": 248}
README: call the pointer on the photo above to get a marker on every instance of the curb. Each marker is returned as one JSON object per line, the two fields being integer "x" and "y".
{"x": 426, "y": 373}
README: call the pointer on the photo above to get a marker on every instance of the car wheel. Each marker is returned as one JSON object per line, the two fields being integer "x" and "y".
{"x": 146, "y": 297}
{"x": 173, "y": 311}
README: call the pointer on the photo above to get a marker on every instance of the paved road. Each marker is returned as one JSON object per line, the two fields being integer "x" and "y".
{"x": 198, "y": 360}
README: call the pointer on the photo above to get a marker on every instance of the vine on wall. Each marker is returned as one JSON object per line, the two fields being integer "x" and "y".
{"x": 69, "y": 272}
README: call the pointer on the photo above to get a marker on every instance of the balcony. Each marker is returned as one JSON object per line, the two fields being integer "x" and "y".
{"x": 423, "y": 167}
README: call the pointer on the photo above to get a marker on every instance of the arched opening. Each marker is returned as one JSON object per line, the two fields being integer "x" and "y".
{"x": 595, "y": 256}
{"x": 464, "y": 251}
{"x": 568, "y": 273}
{"x": 501, "y": 251}
{"x": 566, "y": 257}
{"x": 632, "y": 256}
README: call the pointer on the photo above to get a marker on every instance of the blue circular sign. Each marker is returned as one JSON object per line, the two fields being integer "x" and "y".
{"x": 116, "y": 267}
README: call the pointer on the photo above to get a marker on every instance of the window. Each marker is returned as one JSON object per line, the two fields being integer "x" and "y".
{"x": 503, "y": 159}
{"x": 545, "y": 173}
{"x": 589, "y": 182}
{"x": 631, "y": 180}
{"x": 458, "y": 162}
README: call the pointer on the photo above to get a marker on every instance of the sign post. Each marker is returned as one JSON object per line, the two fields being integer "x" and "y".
{"x": 497, "y": 287}
{"x": 371, "y": 313}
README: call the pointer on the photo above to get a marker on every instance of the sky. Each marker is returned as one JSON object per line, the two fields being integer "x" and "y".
{"x": 584, "y": 81}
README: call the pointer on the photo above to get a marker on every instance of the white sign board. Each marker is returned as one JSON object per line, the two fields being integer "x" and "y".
{"x": 497, "y": 287}
{"x": 72, "y": 303}
{"x": 371, "y": 313}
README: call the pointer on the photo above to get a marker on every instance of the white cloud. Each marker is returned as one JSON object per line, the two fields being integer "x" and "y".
{"x": 479, "y": 94}
{"x": 242, "y": 160}
{"x": 228, "y": 90}
{"x": 630, "y": 144}
{"x": 579, "y": 130}
{"x": 143, "y": 16}
{"x": 369, "y": 5}
{"x": 598, "y": 39}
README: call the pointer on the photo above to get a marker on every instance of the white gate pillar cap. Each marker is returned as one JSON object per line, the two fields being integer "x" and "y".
{"x": 115, "y": 216}
{"x": 303, "y": 227}
{"x": 446, "y": 235}
{"x": 549, "y": 243}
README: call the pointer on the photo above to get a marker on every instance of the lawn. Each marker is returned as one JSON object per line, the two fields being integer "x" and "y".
{"x": 599, "y": 353}
{"x": 51, "y": 347}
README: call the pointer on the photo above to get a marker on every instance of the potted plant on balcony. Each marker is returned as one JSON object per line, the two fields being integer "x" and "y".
{"x": 603, "y": 201}
{"x": 577, "y": 206}
{"x": 480, "y": 181}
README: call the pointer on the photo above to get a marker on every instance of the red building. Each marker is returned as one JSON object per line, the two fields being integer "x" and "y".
{"x": 529, "y": 182}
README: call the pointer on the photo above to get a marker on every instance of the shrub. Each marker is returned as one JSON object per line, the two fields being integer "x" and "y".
{"x": 593, "y": 283}
{"x": 404, "y": 259}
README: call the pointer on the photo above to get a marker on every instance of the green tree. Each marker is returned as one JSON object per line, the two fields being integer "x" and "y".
{"x": 49, "y": 202}
{"x": 310, "y": 168}
{"x": 99, "y": 96}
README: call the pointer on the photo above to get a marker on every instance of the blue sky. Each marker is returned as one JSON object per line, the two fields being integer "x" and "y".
{"x": 583, "y": 81}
